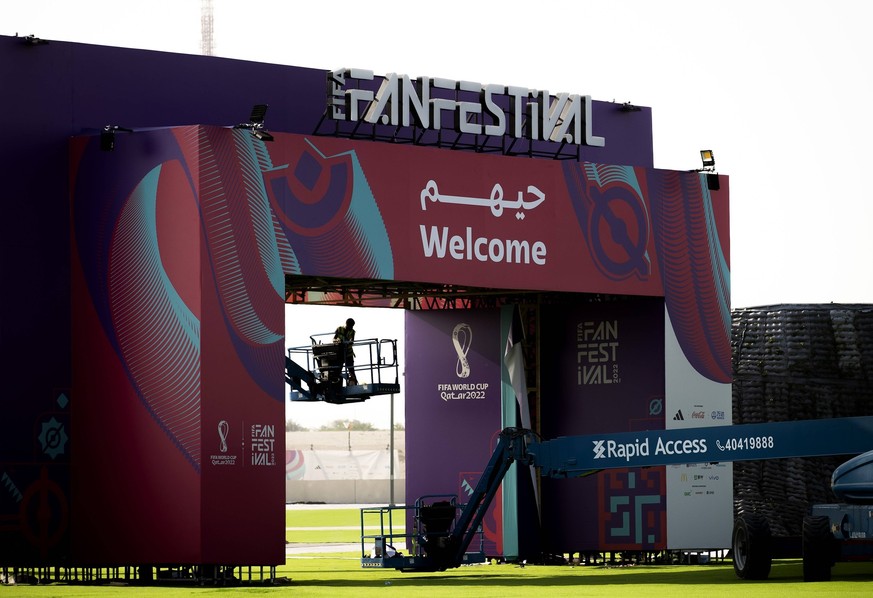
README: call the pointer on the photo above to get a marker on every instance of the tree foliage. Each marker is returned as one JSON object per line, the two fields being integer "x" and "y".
{"x": 293, "y": 426}
{"x": 348, "y": 424}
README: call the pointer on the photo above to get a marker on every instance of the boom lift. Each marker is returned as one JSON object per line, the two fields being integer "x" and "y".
{"x": 831, "y": 532}
{"x": 315, "y": 371}
{"x": 443, "y": 529}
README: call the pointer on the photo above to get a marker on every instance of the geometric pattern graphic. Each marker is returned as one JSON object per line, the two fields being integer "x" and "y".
{"x": 53, "y": 438}
{"x": 633, "y": 512}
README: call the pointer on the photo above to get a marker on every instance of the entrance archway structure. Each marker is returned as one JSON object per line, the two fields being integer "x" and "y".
{"x": 187, "y": 240}
{"x": 178, "y": 250}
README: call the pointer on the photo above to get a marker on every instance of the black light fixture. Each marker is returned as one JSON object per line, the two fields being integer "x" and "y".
{"x": 708, "y": 159}
{"x": 107, "y": 136}
{"x": 262, "y": 135}
{"x": 259, "y": 111}
{"x": 256, "y": 123}
{"x": 628, "y": 107}
{"x": 32, "y": 40}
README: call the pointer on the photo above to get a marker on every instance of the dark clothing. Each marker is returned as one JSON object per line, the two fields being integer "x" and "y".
{"x": 346, "y": 336}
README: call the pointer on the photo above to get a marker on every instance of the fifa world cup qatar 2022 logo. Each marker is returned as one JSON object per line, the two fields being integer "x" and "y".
{"x": 462, "y": 338}
{"x": 469, "y": 389}
{"x": 223, "y": 429}
{"x": 222, "y": 457}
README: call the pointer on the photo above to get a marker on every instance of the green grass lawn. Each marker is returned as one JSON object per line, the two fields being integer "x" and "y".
{"x": 337, "y": 575}
{"x": 308, "y": 576}
{"x": 322, "y": 517}
{"x": 332, "y": 575}
{"x": 301, "y": 519}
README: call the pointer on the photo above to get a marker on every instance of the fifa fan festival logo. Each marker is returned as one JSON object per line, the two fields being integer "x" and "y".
{"x": 223, "y": 429}
{"x": 462, "y": 338}
{"x": 263, "y": 444}
{"x": 597, "y": 352}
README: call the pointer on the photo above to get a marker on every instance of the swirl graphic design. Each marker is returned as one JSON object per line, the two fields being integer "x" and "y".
{"x": 613, "y": 217}
{"x": 244, "y": 252}
{"x": 295, "y": 464}
{"x": 169, "y": 378}
{"x": 694, "y": 270}
{"x": 137, "y": 288}
{"x": 223, "y": 429}
{"x": 134, "y": 297}
{"x": 329, "y": 216}
{"x": 462, "y": 338}
{"x": 258, "y": 222}
{"x": 611, "y": 206}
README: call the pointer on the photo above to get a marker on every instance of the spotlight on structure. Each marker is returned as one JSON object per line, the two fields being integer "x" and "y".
{"x": 628, "y": 107}
{"x": 32, "y": 40}
{"x": 107, "y": 136}
{"x": 256, "y": 123}
{"x": 712, "y": 182}
{"x": 259, "y": 111}
{"x": 262, "y": 134}
{"x": 708, "y": 159}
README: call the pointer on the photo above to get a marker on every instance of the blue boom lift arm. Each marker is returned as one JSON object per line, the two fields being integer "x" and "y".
{"x": 441, "y": 536}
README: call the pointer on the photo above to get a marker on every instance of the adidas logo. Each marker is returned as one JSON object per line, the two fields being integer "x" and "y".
{"x": 679, "y": 416}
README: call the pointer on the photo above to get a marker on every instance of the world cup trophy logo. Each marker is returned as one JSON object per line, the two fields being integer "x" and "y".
{"x": 462, "y": 337}
{"x": 223, "y": 429}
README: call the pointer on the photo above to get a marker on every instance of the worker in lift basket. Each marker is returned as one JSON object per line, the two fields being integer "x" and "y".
{"x": 346, "y": 336}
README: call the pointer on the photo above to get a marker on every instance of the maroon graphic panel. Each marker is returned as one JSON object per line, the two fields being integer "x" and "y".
{"x": 177, "y": 356}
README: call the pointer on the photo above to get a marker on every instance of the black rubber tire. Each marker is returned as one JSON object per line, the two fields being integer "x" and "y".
{"x": 818, "y": 548}
{"x": 750, "y": 546}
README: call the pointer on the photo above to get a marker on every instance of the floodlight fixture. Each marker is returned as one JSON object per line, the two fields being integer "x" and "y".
{"x": 32, "y": 40}
{"x": 107, "y": 136}
{"x": 259, "y": 111}
{"x": 256, "y": 123}
{"x": 708, "y": 159}
{"x": 628, "y": 107}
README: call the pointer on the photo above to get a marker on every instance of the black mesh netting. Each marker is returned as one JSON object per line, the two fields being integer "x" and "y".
{"x": 794, "y": 362}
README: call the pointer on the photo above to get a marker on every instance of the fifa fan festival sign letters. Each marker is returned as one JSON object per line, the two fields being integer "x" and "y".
{"x": 494, "y": 110}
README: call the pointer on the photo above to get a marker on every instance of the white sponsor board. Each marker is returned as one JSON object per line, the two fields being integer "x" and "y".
{"x": 699, "y": 496}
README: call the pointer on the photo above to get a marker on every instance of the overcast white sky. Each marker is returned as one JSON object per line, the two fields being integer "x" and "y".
{"x": 777, "y": 89}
